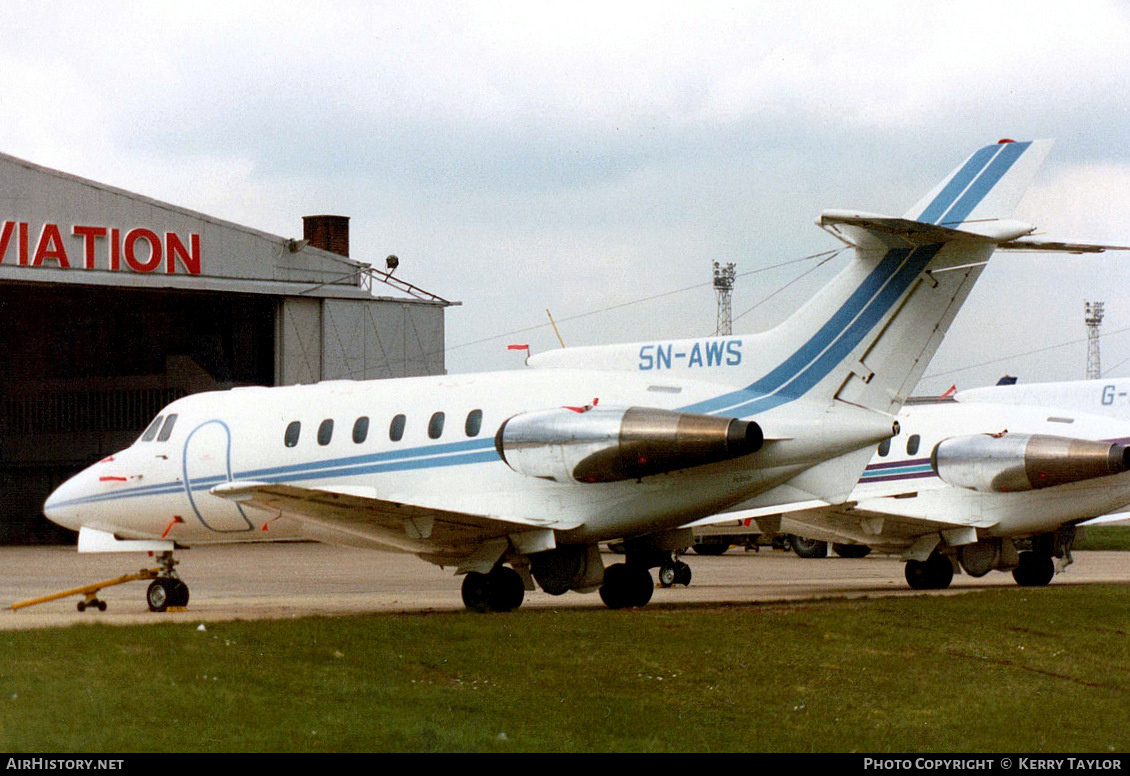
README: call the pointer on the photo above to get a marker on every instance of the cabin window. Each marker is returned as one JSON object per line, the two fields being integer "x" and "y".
{"x": 167, "y": 429}
{"x": 396, "y": 428}
{"x": 290, "y": 438}
{"x": 360, "y": 429}
{"x": 325, "y": 432}
{"x": 884, "y": 447}
{"x": 474, "y": 423}
{"x": 435, "y": 426}
{"x": 152, "y": 430}
{"x": 912, "y": 444}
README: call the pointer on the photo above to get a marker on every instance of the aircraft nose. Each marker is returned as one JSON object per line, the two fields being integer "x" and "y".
{"x": 62, "y": 506}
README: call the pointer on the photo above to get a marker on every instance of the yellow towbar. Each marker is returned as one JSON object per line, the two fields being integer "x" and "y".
{"x": 89, "y": 591}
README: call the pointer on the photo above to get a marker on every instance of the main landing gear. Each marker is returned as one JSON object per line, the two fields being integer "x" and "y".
{"x": 502, "y": 590}
{"x": 1035, "y": 570}
{"x": 629, "y": 584}
{"x": 934, "y": 573}
{"x": 166, "y": 591}
{"x": 626, "y": 585}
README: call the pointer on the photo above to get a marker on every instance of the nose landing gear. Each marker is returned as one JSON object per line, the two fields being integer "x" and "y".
{"x": 166, "y": 591}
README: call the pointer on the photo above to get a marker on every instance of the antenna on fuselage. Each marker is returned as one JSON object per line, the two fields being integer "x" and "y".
{"x": 553, "y": 323}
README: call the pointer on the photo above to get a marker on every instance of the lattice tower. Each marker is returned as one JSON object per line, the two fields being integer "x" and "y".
{"x": 1093, "y": 317}
{"x": 723, "y": 287}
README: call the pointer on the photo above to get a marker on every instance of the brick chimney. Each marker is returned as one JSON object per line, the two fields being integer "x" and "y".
{"x": 330, "y": 233}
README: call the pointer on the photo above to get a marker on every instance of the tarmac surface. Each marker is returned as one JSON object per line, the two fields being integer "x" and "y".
{"x": 285, "y": 580}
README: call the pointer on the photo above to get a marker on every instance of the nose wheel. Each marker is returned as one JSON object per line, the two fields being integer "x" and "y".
{"x": 166, "y": 590}
{"x": 674, "y": 572}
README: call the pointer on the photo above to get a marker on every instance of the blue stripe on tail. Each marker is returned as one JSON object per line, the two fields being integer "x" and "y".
{"x": 958, "y": 183}
{"x": 826, "y": 349}
{"x": 984, "y": 183}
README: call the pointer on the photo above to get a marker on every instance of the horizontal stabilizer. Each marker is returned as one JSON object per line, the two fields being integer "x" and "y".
{"x": 866, "y": 230}
{"x": 1048, "y": 246}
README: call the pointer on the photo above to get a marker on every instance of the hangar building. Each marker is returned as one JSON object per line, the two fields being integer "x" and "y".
{"x": 114, "y": 304}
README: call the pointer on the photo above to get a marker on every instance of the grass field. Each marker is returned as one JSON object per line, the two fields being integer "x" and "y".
{"x": 1012, "y": 670}
{"x": 1112, "y": 537}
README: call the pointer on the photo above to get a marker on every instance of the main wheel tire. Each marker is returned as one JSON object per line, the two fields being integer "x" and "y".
{"x": 507, "y": 590}
{"x": 626, "y": 586}
{"x": 1035, "y": 570}
{"x": 641, "y": 586}
{"x": 934, "y": 573}
{"x": 916, "y": 575}
{"x": 941, "y": 569}
{"x": 476, "y": 592}
{"x": 502, "y": 590}
{"x": 668, "y": 575}
{"x": 809, "y": 548}
{"x": 711, "y": 549}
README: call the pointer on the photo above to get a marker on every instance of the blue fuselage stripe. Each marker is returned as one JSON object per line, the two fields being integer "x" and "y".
{"x": 825, "y": 350}
{"x": 836, "y": 325}
{"x": 453, "y": 454}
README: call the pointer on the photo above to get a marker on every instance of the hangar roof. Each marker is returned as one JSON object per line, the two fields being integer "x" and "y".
{"x": 59, "y": 228}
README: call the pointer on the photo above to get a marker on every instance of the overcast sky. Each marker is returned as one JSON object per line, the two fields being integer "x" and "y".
{"x": 593, "y": 159}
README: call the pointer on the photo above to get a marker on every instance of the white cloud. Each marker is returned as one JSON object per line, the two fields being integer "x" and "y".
{"x": 525, "y": 154}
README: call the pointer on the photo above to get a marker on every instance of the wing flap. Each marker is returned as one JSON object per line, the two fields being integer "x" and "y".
{"x": 876, "y": 527}
{"x": 350, "y": 516}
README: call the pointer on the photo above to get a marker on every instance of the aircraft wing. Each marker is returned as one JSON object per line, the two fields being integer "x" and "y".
{"x": 357, "y": 519}
{"x": 877, "y": 523}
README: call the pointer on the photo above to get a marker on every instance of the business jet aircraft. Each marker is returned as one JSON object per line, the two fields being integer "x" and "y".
{"x": 515, "y": 477}
{"x": 996, "y": 479}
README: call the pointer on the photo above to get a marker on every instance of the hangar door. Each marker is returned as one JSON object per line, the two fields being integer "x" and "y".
{"x": 366, "y": 341}
{"x": 84, "y": 369}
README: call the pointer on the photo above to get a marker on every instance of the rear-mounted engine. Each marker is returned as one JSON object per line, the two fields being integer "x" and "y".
{"x": 1016, "y": 462}
{"x": 602, "y": 444}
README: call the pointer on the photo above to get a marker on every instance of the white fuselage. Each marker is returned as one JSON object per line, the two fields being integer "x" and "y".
{"x": 160, "y": 487}
{"x": 902, "y": 484}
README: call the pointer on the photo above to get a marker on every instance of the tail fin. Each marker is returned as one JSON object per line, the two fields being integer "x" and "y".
{"x": 867, "y": 336}
{"x": 986, "y": 188}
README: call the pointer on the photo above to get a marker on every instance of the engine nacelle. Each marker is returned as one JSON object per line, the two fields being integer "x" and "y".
{"x": 601, "y": 444}
{"x": 1016, "y": 462}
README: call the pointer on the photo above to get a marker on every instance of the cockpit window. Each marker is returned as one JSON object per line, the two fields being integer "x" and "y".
{"x": 152, "y": 430}
{"x": 167, "y": 429}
